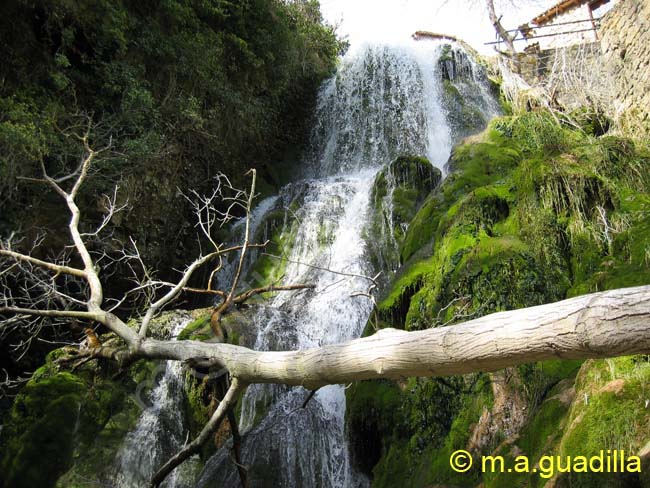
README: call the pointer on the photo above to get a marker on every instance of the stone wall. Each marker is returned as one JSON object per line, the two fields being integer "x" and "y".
{"x": 625, "y": 47}
{"x": 612, "y": 75}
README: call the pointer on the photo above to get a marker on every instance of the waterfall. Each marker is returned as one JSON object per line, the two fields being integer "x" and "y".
{"x": 159, "y": 433}
{"x": 383, "y": 102}
{"x": 293, "y": 446}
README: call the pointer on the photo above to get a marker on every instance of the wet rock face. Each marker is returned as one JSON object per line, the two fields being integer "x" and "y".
{"x": 397, "y": 194}
{"x": 454, "y": 64}
{"x": 65, "y": 427}
{"x": 466, "y": 91}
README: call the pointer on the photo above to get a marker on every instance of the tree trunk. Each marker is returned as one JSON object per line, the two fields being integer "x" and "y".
{"x": 605, "y": 324}
{"x": 503, "y": 34}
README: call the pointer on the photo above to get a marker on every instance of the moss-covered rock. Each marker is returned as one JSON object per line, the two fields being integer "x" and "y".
{"x": 462, "y": 96}
{"x": 609, "y": 413}
{"x": 532, "y": 211}
{"x": 433, "y": 420}
{"x": 67, "y": 424}
{"x": 238, "y": 325}
{"x": 397, "y": 194}
{"x": 63, "y": 426}
{"x": 372, "y": 410}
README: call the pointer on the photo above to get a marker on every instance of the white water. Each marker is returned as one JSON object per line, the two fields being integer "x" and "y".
{"x": 159, "y": 433}
{"x": 295, "y": 446}
{"x": 384, "y": 101}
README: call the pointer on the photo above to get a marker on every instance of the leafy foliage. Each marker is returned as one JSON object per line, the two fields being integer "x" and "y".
{"x": 183, "y": 88}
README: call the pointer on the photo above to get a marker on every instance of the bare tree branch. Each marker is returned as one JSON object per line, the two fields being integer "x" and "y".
{"x": 236, "y": 388}
{"x": 44, "y": 264}
{"x": 605, "y": 324}
{"x": 236, "y": 449}
{"x": 501, "y": 31}
{"x": 215, "y": 318}
{"x": 242, "y": 297}
{"x": 73, "y": 314}
{"x": 373, "y": 280}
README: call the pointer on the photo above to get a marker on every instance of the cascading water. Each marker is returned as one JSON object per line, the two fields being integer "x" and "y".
{"x": 159, "y": 433}
{"x": 384, "y": 101}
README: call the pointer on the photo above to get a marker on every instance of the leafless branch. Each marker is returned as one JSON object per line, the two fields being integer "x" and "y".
{"x": 111, "y": 208}
{"x": 243, "y": 199}
{"x": 44, "y": 264}
{"x": 236, "y": 449}
{"x": 373, "y": 280}
{"x": 236, "y": 388}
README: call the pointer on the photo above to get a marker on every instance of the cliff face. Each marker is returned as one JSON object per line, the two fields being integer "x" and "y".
{"x": 532, "y": 212}
{"x": 179, "y": 91}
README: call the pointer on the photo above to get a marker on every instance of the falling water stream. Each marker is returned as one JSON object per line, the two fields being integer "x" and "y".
{"x": 383, "y": 102}
{"x": 160, "y": 431}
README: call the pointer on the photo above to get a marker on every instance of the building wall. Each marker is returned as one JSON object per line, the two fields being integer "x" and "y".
{"x": 612, "y": 74}
{"x": 557, "y": 41}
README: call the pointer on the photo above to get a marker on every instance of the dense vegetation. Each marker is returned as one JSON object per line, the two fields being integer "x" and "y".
{"x": 533, "y": 211}
{"x": 181, "y": 90}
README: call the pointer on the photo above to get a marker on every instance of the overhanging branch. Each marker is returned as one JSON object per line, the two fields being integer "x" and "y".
{"x": 600, "y": 325}
{"x": 57, "y": 268}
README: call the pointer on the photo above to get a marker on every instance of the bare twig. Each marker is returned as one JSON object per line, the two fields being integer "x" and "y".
{"x": 215, "y": 318}
{"x": 236, "y": 449}
{"x": 321, "y": 268}
{"x": 236, "y": 387}
{"x": 44, "y": 264}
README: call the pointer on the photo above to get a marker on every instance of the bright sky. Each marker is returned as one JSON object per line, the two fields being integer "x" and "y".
{"x": 392, "y": 20}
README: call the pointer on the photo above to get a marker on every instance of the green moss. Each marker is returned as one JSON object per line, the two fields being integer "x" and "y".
{"x": 49, "y": 437}
{"x": 197, "y": 330}
{"x": 61, "y": 421}
{"x": 395, "y": 306}
{"x": 439, "y": 470}
{"x": 423, "y": 227}
{"x": 478, "y": 164}
{"x": 280, "y": 227}
{"x": 398, "y": 192}
{"x": 102, "y": 441}
{"x": 592, "y": 122}
{"x": 464, "y": 114}
{"x": 451, "y": 91}
{"x": 433, "y": 420}
{"x": 539, "y": 132}
{"x": 522, "y": 220}
{"x": 372, "y": 408}
{"x": 538, "y": 438}
{"x": 612, "y": 415}
{"x": 475, "y": 275}
{"x": 234, "y": 338}
{"x": 200, "y": 394}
